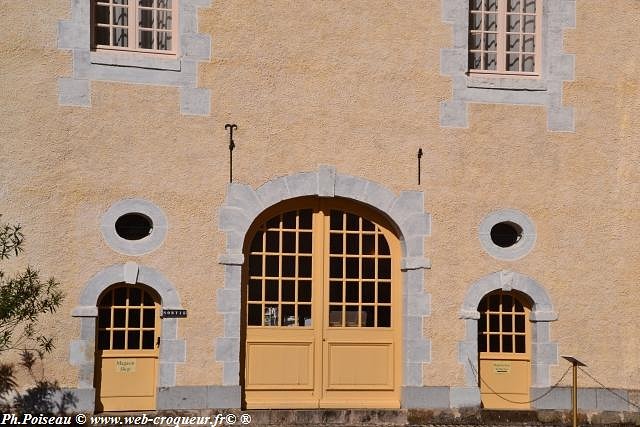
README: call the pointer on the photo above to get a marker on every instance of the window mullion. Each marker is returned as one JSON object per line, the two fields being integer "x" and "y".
{"x": 320, "y": 269}
{"x": 501, "y": 37}
{"x": 538, "y": 37}
{"x": 133, "y": 19}
{"x": 175, "y": 23}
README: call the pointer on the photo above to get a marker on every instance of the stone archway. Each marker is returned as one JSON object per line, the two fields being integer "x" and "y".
{"x": 82, "y": 350}
{"x": 405, "y": 212}
{"x": 544, "y": 352}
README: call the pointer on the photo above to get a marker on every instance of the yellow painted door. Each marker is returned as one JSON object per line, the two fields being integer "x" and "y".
{"x": 321, "y": 330}
{"x": 127, "y": 349}
{"x": 361, "y": 351}
{"x": 282, "y": 316}
{"x": 504, "y": 350}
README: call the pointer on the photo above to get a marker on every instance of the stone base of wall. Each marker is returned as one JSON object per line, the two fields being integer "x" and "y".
{"x": 589, "y": 399}
{"x": 437, "y": 404}
{"x": 83, "y": 399}
{"x": 440, "y": 397}
{"x": 546, "y": 418}
{"x": 199, "y": 397}
{"x": 389, "y": 418}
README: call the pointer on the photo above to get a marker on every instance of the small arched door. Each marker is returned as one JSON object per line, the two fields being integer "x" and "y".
{"x": 322, "y": 308}
{"x": 127, "y": 347}
{"x": 504, "y": 349}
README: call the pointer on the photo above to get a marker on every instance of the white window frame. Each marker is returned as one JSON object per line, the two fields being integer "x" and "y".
{"x": 132, "y": 26}
{"x": 502, "y": 34}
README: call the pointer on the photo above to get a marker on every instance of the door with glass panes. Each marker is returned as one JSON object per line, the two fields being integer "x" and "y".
{"x": 322, "y": 308}
{"x": 128, "y": 333}
{"x": 504, "y": 350}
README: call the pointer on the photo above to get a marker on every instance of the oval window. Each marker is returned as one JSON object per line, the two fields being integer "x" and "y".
{"x": 506, "y": 234}
{"x": 134, "y": 226}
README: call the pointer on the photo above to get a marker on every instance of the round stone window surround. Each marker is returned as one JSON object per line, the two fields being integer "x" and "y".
{"x": 516, "y": 251}
{"x": 134, "y": 247}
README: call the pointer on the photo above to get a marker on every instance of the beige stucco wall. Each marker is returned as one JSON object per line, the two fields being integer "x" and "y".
{"x": 354, "y": 84}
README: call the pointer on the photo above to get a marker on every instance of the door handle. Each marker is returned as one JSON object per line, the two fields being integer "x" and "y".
{"x": 158, "y": 342}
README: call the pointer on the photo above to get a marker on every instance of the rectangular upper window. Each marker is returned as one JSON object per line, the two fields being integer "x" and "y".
{"x": 504, "y": 36}
{"x": 135, "y": 25}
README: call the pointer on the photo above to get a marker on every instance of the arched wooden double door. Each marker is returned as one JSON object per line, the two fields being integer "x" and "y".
{"x": 322, "y": 308}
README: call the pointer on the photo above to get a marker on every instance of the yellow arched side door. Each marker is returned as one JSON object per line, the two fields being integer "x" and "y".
{"x": 323, "y": 305}
{"x": 127, "y": 348}
{"x": 504, "y": 351}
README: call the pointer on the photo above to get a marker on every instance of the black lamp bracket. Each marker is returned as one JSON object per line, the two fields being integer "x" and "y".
{"x": 232, "y": 145}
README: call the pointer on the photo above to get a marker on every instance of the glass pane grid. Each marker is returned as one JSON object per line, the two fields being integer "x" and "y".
{"x": 154, "y": 22}
{"x": 359, "y": 265}
{"x": 111, "y": 21}
{"x": 280, "y": 277}
{"x": 520, "y": 36}
{"x": 145, "y": 25}
{"x": 503, "y": 39}
{"x": 483, "y": 27}
{"x": 501, "y": 327}
{"x": 126, "y": 320}
{"x": 279, "y": 288}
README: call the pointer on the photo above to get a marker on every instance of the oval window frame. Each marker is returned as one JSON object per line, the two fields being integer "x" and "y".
{"x": 516, "y": 251}
{"x": 142, "y": 246}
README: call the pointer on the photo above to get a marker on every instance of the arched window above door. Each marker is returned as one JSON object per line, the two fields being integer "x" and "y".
{"x": 280, "y": 271}
{"x": 319, "y": 244}
{"x": 128, "y": 316}
{"x": 502, "y": 327}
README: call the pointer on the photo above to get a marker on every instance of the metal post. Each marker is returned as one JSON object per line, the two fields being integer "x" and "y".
{"x": 574, "y": 395}
{"x": 574, "y": 389}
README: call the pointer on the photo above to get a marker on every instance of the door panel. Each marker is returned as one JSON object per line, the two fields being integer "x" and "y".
{"x": 127, "y": 349}
{"x": 359, "y": 366}
{"x": 322, "y": 309}
{"x": 491, "y": 400}
{"x": 280, "y": 365}
{"x": 506, "y": 375}
{"x": 126, "y": 382}
{"x": 282, "y": 326}
{"x": 504, "y": 351}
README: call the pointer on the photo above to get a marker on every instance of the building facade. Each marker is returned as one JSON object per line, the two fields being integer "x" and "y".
{"x": 429, "y": 201}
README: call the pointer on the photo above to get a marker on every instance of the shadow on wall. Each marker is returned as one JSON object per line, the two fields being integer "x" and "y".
{"x": 44, "y": 397}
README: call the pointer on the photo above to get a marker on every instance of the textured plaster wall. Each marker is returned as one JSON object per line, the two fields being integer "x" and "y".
{"x": 353, "y": 84}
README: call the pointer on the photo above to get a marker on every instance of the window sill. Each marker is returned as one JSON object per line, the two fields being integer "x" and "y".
{"x": 136, "y": 60}
{"x": 506, "y": 82}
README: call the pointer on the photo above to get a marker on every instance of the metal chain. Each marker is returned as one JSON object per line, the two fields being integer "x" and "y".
{"x": 475, "y": 372}
{"x": 478, "y": 377}
{"x": 608, "y": 389}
